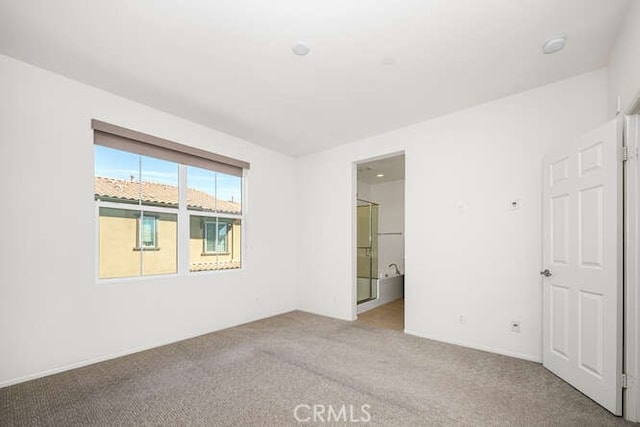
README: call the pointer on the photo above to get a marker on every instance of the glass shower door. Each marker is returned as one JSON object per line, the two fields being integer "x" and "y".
{"x": 367, "y": 251}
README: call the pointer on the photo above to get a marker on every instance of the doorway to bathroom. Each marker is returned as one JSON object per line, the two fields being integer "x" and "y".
{"x": 379, "y": 243}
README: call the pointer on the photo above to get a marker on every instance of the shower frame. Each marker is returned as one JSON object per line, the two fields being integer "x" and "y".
{"x": 370, "y": 252}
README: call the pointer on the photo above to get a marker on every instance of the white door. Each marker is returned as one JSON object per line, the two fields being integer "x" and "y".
{"x": 582, "y": 251}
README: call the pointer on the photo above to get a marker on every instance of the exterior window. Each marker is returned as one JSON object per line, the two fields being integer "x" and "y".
{"x": 142, "y": 199}
{"x": 215, "y": 237}
{"x": 138, "y": 215}
{"x": 214, "y": 205}
{"x": 148, "y": 235}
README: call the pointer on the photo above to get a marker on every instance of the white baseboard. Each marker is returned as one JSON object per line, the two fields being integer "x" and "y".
{"x": 370, "y": 305}
{"x": 503, "y": 352}
{"x": 83, "y": 363}
{"x": 103, "y": 358}
{"x": 330, "y": 316}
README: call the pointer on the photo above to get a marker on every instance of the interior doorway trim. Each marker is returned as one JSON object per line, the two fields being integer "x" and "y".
{"x": 354, "y": 219}
{"x": 631, "y": 365}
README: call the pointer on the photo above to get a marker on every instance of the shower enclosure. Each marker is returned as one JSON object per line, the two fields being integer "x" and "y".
{"x": 367, "y": 247}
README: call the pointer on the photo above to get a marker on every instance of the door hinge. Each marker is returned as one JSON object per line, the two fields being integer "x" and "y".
{"x": 628, "y": 153}
{"x": 624, "y": 381}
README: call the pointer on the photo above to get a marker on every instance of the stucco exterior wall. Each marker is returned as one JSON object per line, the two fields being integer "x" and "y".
{"x": 199, "y": 260}
{"x": 119, "y": 254}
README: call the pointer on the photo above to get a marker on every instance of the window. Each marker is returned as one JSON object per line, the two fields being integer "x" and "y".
{"x": 147, "y": 230}
{"x": 214, "y": 204}
{"x": 215, "y": 236}
{"x": 146, "y": 188}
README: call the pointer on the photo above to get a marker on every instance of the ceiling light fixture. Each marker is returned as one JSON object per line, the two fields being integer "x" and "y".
{"x": 300, "y": 49}
{"x": 554, "y": 44}
{"x": 388, "y": 60}
{"x": 380, "y": 175}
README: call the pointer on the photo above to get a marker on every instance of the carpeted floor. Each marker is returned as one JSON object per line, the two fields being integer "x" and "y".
{"x": 257, "y": 374}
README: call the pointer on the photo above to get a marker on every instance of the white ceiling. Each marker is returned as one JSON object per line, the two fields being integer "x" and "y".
{"x": 228, "y": 64}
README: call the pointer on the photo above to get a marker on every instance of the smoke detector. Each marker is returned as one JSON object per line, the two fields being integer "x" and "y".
{"x": 554, "y": 44}
{"x": 300, "y": 49}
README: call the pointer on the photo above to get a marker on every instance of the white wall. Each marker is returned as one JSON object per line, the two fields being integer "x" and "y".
{"x": 466, "y": 253}
{"x": 481, "y": 263}
{"x": 624, "y": 62}
{"x": 52, "y": 314}
{"x": 364, "y": 191}
{"x": 390, "y": 196}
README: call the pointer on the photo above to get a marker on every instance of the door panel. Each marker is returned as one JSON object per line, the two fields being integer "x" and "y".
{"x": 590, "y": 218}
{"x": 582, "y": 248}
{"x": 560, "y": 320}
{"x": 591, "y": 346}
{"x": 560, "y": 229}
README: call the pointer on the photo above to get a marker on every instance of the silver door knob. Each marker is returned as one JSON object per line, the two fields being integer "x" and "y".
{"x": 545, "y": 273}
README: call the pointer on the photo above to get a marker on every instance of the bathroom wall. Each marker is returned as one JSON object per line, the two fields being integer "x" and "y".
{"x": 364, "y": 191}
{"x": 390, "y": 196}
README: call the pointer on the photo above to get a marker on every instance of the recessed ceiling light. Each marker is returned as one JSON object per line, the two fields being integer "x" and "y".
{"x": 300, "y": 49}
{"x": 380, "y": 175}
{"x": 388, "y": 60}
{"x": 554, "y": 44}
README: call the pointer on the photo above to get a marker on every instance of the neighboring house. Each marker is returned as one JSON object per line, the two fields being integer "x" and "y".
{"x": 132, "y": 244}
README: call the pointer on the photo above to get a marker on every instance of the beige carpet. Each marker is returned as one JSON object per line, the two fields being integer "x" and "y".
{"x": 258, "y": 373}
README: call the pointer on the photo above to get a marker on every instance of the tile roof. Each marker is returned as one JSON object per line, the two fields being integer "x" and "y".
{"x": 212, "y": 265}
{"x": 160, "y": 195}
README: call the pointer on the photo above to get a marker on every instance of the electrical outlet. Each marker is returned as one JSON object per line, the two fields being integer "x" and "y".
{"x": 514, "y": 205}
{"x": 515, "y": 326}
{"x": 462, "y": 319}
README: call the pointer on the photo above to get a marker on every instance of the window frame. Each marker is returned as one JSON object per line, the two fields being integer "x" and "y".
{"x": 217, "y": 224}
{"x": 183, "y": 215}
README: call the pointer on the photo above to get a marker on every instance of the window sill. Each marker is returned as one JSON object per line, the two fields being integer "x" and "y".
{"x": 141, "y": 279}
{"x": 146, "y": 249}
{"x": 214, "y": 253}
